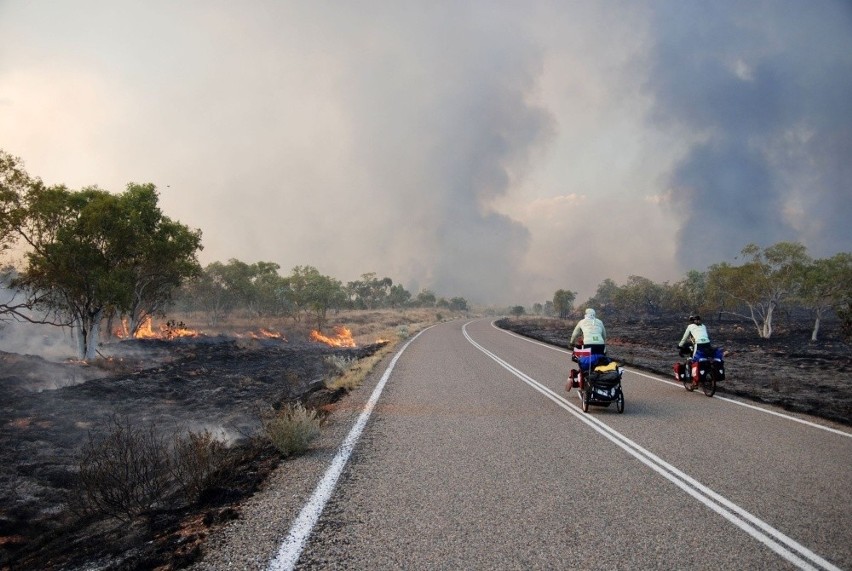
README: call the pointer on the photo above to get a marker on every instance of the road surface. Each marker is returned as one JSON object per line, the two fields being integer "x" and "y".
{"x": 471, "y": 455}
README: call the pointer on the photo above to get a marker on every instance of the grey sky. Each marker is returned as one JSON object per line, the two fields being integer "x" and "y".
{"x": 493, "y": 150}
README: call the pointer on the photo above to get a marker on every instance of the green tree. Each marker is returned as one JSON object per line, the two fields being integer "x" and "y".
{"x": 458, "y": 304}
{"x": 369, "y": 292}
{"x": 426, "y": 298}
{"x": 14, "y": 184}
{"x": 606, "y": 295}
{"x": 161, "y": 253}
{"x": 310, "y": 291}
{"x": 91, "y": 253}
{"x": 298, "y": 294}
{"x": 207, "y": 293}
{"x": 16, "y": 303}
{"x": 517, "y": 310}
{"x": 322, "y": 293}
{"x": 563, "y": 302}
{"x": 690, "y": 294}
{"x": 640, "y": 296}
{"x": 75, "y": 256}
{"x": 398, "y": 296}
{"x": 271, "y": 290}
{"x": 762, "y": 282}
{"x": 826, "y": 285}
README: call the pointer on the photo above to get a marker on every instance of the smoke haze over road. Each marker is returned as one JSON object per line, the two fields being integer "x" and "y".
{"x": 496, "y": 151}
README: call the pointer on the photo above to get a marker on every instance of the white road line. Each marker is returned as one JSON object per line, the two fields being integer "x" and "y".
{"x": 784, "y": 546}
{"x": 676, "y": 384}
{"x": 292, "y": 546}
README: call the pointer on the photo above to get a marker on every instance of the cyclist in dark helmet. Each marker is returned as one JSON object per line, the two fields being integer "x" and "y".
{"x": 695, "y": 335}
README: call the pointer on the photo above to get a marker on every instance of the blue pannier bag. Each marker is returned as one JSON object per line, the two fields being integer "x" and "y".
{"x": 707, "y": 353}
{"x": 592, "y": 361}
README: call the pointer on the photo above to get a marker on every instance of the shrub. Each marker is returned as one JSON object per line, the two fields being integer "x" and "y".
{"x": 339, "y": 363}
{"x": 123, "y": 474}
{"x": 292, "y": 429}
{"x": 198, "y": 462}
{"x": 402, "y": 332}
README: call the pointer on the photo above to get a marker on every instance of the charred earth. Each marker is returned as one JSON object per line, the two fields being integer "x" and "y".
{"x": 51, "y": 410}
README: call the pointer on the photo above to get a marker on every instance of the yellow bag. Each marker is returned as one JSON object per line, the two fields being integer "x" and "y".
{"x": 613, "y": 366}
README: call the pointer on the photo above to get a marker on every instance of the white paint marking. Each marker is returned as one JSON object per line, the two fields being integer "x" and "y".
{"x": 292, "y": 546}
{"x": 676, "y": 384}
{"x": 784, "y": 546}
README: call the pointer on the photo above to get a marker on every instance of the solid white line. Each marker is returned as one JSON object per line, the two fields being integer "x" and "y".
{"x": 780, "y": 543}
{"x": 292, "y": 546}
{"x": 676, "y": 384}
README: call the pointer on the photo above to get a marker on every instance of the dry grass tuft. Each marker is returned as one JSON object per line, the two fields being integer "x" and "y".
{"x": 292, "y": 429}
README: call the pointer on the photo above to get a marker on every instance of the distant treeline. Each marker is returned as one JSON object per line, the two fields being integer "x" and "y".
{"x": 781, "y": 277}
{"x": 260, "y": 290}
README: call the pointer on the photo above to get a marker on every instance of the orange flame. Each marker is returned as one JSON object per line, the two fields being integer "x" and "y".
{"x": 167, "y": 331}
{"x": 343, "y": 338}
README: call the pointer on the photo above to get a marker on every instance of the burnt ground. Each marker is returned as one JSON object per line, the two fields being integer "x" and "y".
{"x": 49, "y": 411}
{"x": 787, "y": 370}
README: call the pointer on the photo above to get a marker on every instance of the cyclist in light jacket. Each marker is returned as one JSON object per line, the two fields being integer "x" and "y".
{"x": 593, "y": 332}
{"x": 698, "y": 332}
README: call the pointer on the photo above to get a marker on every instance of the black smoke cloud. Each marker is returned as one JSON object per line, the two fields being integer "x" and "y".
{"x": 762, "y": 93}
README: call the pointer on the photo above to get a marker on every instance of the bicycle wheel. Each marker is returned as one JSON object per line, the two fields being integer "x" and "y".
{"x": 708, "y": 385}
{"x": 584, "y": 400}
{"x": 619, "y": 403}
{"x": 687, "y": 384}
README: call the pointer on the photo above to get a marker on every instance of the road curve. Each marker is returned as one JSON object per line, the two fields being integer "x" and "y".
{"x": 474, "y": 457}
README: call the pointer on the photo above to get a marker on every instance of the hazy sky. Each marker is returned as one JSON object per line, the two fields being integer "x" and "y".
{"x": 489, "y": 149}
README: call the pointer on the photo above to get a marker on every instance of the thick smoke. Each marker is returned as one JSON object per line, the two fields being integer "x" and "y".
{"x": 762, "y": 93}
{"x": 445, "y": 128}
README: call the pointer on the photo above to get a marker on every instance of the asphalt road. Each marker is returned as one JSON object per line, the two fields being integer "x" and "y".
{"x": 475, "y": 457}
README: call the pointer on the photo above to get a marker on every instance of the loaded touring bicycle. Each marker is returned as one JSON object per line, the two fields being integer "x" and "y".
{"x": 598, "y": 380}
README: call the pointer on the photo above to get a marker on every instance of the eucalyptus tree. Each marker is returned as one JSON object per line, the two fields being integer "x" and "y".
{"x": 271, "y": 290}
{"x": 90, "y": 252}
{"x": 766, "y": 278}
{"x": 563, "y": 302}
{"x": 641, "y": 296}
{"x": 161, "y": 253}
{"x": 398, "y": 296}
{"x": 605, "y": 296}
{"x": 426, "y": 298}
{"x": 15, "y": 303}
{"x": 827, "y": 284}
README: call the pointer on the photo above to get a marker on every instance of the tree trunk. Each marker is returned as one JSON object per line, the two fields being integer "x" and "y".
{"x": 815, "y": 332}
{"x": 88, "y": 335}
{"x": 80, "y": 334}
{"x": 754, "y": 320}
{"x": 767, "y": 322}
{"x": 93, "y": 338}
